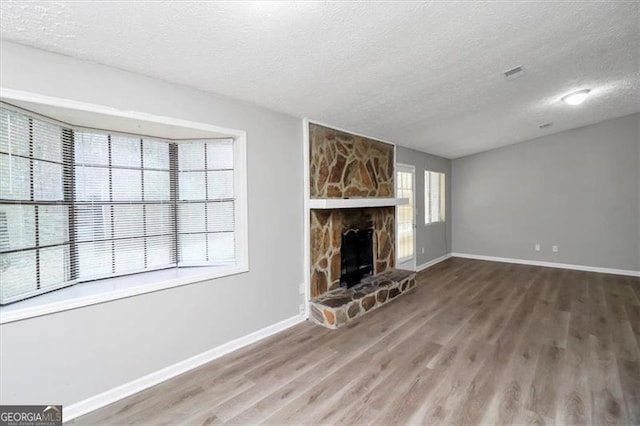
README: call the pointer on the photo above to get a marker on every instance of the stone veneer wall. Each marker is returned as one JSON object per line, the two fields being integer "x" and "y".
{"x": 343, "y": 165}
{"x": 327, "y": 227}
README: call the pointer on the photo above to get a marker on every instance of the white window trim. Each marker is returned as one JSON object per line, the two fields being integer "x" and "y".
{"x": 411, "y": 169}
{"x": 442, "y": 194}
{"x": 91, "y": 293}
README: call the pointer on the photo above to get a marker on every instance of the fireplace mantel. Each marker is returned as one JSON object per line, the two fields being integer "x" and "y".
{"x": 353, "y": 203}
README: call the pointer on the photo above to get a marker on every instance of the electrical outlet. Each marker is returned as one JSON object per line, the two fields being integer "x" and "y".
{"x": 537, "y": 247}
{"x": 554, "y": 249}
{"x": 301, "y": 288}
{"x": 301, "y": 309}
{"x": 422, "y": 250}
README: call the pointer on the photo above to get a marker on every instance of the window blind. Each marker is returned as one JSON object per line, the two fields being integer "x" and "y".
{"x": 35, "y": 206}
{"x": 206, "y": 207}
{"x": 80, "y": 204}
{"x": 123, "y": 205}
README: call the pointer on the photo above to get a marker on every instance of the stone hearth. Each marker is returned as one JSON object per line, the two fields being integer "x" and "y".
{"x": 341, "y": 306}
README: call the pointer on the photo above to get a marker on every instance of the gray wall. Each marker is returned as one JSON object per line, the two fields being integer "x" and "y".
{"x": 435, "y": 238}
{"x": 69, "y": 356}
{"x": 578, "y": 189}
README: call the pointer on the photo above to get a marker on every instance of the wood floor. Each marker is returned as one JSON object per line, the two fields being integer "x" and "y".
{"x": 475, "y": 342}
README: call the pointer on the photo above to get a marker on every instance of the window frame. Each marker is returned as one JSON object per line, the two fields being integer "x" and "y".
{"x": 78, "y": 203}
{"x": 406, "y": 168}
{"x": 441, "y": 197}
{"x": 112, "y": 288}
{"x": 65, "y": 199}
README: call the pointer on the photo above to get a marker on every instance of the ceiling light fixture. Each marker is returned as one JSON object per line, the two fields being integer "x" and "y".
{"x": 576, "y": 98}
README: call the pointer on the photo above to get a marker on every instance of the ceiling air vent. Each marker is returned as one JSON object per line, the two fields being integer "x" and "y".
{"x": 514, "y": 73}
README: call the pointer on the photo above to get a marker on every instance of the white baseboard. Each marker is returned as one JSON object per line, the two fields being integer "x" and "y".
{"x": 432, "y": 262}
{"x": 626, "y": 272}
{"x": 93, "y": 403}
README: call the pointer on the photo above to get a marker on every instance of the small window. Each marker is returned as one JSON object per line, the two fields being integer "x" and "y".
{"x": 78, "y": 204}
{"x": 434, "y": 197}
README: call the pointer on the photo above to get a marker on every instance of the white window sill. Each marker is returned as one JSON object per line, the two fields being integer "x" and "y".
{"x": 91, "y": 293}
{"x": 441, "y": 222}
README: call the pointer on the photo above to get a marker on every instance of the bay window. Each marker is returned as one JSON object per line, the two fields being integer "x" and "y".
{"x": 80, "y": 204}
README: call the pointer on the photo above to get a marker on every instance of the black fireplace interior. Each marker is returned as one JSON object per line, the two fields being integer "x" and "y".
{"x": 356, "y": 252}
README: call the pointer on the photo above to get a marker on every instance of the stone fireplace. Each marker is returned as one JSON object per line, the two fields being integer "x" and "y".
{"x": 344, "y": 168}
{"x": 327, "y": 227}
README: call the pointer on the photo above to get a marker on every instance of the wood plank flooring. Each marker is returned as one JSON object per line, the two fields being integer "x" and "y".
{"x": 475, "y": 343}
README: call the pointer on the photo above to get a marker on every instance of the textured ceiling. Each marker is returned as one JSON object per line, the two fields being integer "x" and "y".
{"x": 424, "y": 75}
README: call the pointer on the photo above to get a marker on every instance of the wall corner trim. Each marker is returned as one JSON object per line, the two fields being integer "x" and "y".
{"x": 585, "y": 268}
{"x": 432, "y": 262}
{"x": 105, "y": 398}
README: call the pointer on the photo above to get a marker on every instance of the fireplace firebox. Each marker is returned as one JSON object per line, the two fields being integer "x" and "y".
{"x": 356, "y": 252}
